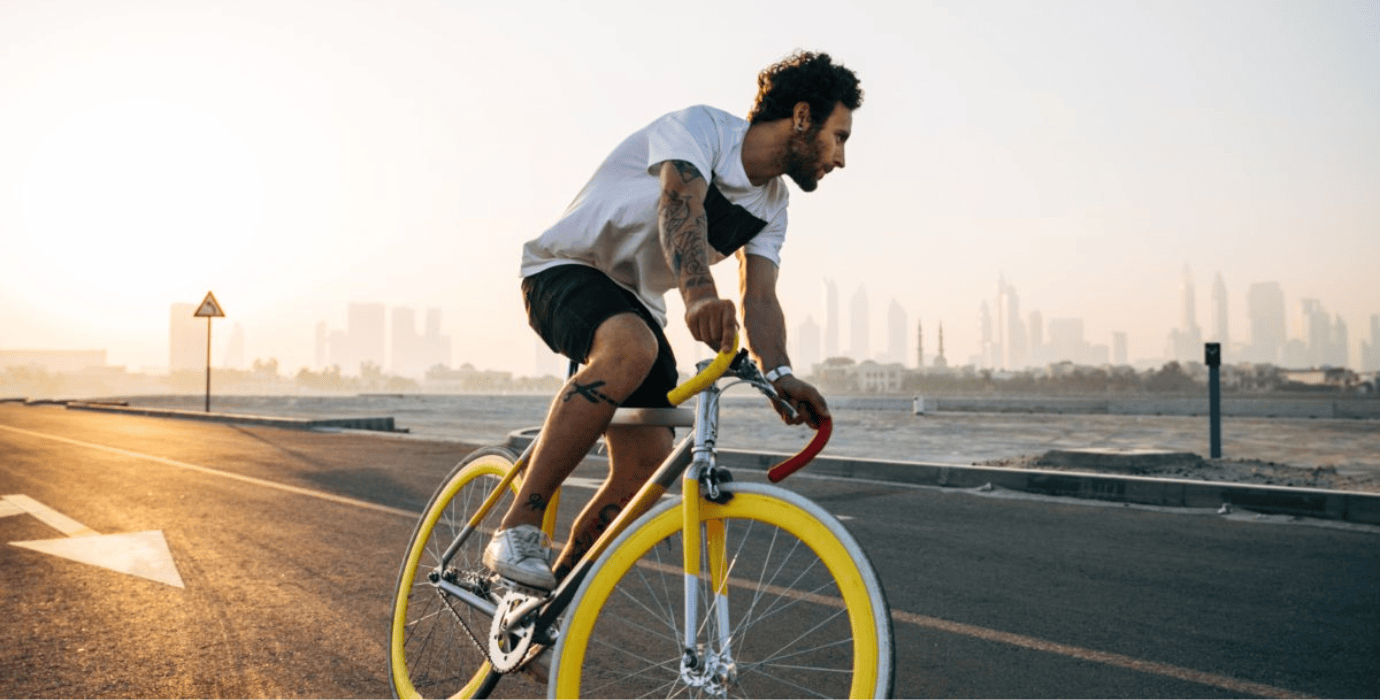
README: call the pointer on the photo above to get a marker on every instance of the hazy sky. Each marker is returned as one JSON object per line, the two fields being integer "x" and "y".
{"x": 296, "y": 155}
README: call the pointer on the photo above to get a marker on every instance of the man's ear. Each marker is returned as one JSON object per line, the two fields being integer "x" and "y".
{"x": 800, "y": 116}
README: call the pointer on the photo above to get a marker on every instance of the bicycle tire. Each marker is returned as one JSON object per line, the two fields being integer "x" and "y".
{"x": 430, "y": 655}
{"x": 821, "y": 625}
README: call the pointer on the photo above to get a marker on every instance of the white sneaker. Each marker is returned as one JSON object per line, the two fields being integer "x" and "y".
{"x": 520, "y": 553}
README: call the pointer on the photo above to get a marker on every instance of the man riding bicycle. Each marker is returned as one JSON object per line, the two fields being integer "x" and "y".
{"x": 677, "y": 196}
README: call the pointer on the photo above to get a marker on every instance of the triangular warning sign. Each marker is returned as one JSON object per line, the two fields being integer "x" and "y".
{"x": 209, "y": 307}
{"x": 142, "y": 554}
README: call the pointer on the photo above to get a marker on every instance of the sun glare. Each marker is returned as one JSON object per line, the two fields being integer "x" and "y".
{"x": 141, "y": 191}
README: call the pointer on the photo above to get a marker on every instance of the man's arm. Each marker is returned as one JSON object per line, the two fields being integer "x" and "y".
{"x": 765, "y": 324}
{"x": 685, "y": 242}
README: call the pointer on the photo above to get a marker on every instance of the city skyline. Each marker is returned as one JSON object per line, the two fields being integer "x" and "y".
{"x": 396, "y": 347}
{"x": 1083, "y": 152}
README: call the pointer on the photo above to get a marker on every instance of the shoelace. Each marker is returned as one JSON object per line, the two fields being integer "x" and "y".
{"x": 528, "y": 543}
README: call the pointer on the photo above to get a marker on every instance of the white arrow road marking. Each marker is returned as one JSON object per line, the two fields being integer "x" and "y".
{"x": 7, "y": 509}
{"x": 142, "y": 554}
{"x": 50, "y": 517}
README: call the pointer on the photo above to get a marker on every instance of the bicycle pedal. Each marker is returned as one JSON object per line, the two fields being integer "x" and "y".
{"x": 511, "y": 586}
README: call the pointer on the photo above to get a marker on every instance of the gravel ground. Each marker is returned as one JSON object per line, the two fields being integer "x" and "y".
{"x": 1239, "y": 471}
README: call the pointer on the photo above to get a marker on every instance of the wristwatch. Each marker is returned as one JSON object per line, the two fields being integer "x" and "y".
{"x": 778, "y": 373}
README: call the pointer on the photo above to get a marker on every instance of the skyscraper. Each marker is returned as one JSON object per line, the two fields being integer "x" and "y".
{"x": 831, "y": 319}
{"x": 366, "y": 325}
{"x": 860, "y": 332}
{"x": 1186, "y": 341}
{"x": 186, "y": 339}
{"x": 1188, "y": 309}
{"x": 436, "y": 348}
{"x": 1119, "y": 354}
{"x": 988, "y": 351}
{"x": 1220, "y": 331}
{"x": 1265, "y": 306}
{"x": 1370, "y": 349}
{"x": 896, "y": 333}
{"x": 406, "y": 359}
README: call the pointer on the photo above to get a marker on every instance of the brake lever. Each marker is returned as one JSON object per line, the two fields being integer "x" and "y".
{"x": 744, "y": 368}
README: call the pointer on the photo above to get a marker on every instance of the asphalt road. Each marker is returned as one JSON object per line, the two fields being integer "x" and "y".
{"x": 287, "y": 542}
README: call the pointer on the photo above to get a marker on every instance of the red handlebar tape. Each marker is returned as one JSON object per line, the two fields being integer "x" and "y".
{"x": 788, "y": 467}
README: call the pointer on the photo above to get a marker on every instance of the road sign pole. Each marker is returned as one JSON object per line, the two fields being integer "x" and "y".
{"x": 210, "y": 308}
{"x": 1212, "y": 356}
{"x": 208, "y": 364}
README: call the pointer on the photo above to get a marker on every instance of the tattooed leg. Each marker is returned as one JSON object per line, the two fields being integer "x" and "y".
{"x": 623, "y": 353}
{"x": 591, "y": 392}
{"x": 634, "y": 454}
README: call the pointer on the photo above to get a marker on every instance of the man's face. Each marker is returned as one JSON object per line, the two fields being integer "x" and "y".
{"x": 813, "y": 153}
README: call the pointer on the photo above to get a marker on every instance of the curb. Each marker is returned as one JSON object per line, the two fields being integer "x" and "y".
{"x": 1323, "y": 504}
{"x": 384, "y": 424}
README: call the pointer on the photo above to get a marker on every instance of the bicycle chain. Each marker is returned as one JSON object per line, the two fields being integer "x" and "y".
{"x": 483, "y": 648}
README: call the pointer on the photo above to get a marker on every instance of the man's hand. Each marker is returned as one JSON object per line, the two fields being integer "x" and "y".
{"x": 809, "y": 404}
{"x": 713, "y": 321}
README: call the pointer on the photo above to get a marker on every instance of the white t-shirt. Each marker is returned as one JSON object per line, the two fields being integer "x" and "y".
{"x": 612, "y": 224}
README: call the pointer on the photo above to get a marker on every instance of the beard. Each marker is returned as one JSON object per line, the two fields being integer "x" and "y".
{"x": 802, "y": 158}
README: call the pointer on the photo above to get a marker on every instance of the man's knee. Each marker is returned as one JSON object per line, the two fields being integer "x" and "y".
{"x": 626, "y": 345}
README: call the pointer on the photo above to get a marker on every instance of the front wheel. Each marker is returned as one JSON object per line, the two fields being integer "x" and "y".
{"x": 433, "y": 649}
{"x": 799, "y": 610}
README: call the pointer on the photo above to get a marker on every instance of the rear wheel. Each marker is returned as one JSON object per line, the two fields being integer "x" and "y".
{"x": 436, "y": 647}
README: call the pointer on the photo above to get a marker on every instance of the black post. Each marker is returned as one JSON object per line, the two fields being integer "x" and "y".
{"x": 1213, "y": 357}
{"x": 208, "y": 364}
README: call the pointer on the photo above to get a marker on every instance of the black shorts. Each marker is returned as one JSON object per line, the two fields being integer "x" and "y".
{"x": 567, "y": 304}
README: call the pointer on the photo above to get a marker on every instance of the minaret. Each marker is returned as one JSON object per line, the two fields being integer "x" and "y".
{"x": 939, "y": 360}
{"x": 920, "y": 344}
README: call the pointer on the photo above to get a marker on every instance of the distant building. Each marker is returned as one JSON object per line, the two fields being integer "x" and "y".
{"x": 1011, "y": 336}
{"x": 896, "y": 332}
{"x": 875, "y": 378}
{"x": 1221, "y": 333}
{"x": 831, "y": 319}
{"x": 860, "y": 346}
{"x": 1370, "y": 349}
{"x": 54, "y": 361}
{"x": 186, "y": 339}
{"x": 1265, "y": 307}
{"x": 1186, "y": 342}
{"x": 364, "y": 324}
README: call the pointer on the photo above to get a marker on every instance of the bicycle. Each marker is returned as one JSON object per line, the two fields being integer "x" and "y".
{"x": 744, "y": 589}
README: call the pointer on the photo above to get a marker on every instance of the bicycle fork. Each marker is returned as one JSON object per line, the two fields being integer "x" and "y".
{"x": 707, "y": 665}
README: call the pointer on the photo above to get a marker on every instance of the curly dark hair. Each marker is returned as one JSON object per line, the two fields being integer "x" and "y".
{"x": 804, "y": 76}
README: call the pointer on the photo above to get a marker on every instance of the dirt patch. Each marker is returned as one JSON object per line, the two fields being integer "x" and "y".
{"x": 1193, "y": 467}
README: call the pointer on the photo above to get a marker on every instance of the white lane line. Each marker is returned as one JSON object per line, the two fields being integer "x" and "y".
{"x": 344, "y": 500}
{"x": 1033, "y": 643}
{"x": 1103, "y": 657}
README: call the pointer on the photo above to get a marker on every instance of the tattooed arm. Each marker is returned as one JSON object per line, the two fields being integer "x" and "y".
{"x": 765, "y": 324}
{"x": 685, "y": 242}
